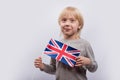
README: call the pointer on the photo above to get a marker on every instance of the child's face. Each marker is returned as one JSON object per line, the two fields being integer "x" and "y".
{"x": 69, "y": 26}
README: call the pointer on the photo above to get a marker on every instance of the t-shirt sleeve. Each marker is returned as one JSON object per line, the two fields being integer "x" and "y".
{"x": 51, "y": 69}
{"x": 90, "y": 54}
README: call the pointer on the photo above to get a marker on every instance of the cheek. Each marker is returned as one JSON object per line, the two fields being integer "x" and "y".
{"x": 76, "y": 28}
{"x": 61, "y": 24}
{"x": 61, "y": 27}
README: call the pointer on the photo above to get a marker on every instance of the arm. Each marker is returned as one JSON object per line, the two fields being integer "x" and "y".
{"x": 51, "y": 69}
{"x": 44, "y": 67}
{"x": 92, "y": 67}
{"x": 88, "y": 61}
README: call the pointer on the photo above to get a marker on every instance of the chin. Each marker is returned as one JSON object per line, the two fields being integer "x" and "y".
{"x": 68, "y": 35}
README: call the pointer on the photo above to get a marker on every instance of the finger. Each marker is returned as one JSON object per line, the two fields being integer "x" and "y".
{"x": 78, "y": 65}
{"x": 39, "y": 57}
{"x": 37, "y": 62}
{"x": 80, "y": 62}
{"x": 37, "y": 66}
{"x": 79, "y": 58}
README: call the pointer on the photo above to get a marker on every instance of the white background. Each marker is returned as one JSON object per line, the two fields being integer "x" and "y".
{"x": 26, "y": 26}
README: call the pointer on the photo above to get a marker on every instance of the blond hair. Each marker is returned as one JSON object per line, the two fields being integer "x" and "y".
{"x": 74, "y": 12}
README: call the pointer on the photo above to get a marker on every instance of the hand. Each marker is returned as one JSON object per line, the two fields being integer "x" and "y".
{"x": 81, "y": 60}
{"x": 38, "y": 63}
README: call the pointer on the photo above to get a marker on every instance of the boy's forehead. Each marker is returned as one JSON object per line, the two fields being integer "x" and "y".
{"x": 68, "y": 16}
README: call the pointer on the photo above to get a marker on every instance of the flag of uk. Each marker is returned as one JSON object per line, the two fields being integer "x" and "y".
{"x": 62, "y": 52}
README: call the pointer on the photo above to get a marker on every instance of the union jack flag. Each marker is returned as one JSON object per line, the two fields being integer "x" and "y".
{"x": 62, "y": 52}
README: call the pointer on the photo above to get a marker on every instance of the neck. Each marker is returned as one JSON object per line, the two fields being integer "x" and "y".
{"x": 71, "y": 37}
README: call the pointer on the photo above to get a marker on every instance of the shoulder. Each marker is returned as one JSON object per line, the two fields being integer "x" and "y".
{"x": 85, "y": 42}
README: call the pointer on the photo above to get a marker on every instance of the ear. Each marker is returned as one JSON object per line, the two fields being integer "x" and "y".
{"x": 79, "y": 27}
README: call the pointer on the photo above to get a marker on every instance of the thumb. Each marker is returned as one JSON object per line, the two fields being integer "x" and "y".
{"x": 39, "y": 57}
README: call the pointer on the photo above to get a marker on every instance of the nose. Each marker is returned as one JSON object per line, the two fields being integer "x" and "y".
{"x": 67, "y": 23}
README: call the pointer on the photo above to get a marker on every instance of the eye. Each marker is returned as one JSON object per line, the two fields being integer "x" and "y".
{"x": 72, "y": 20}
{"x": 64, "y": 19}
